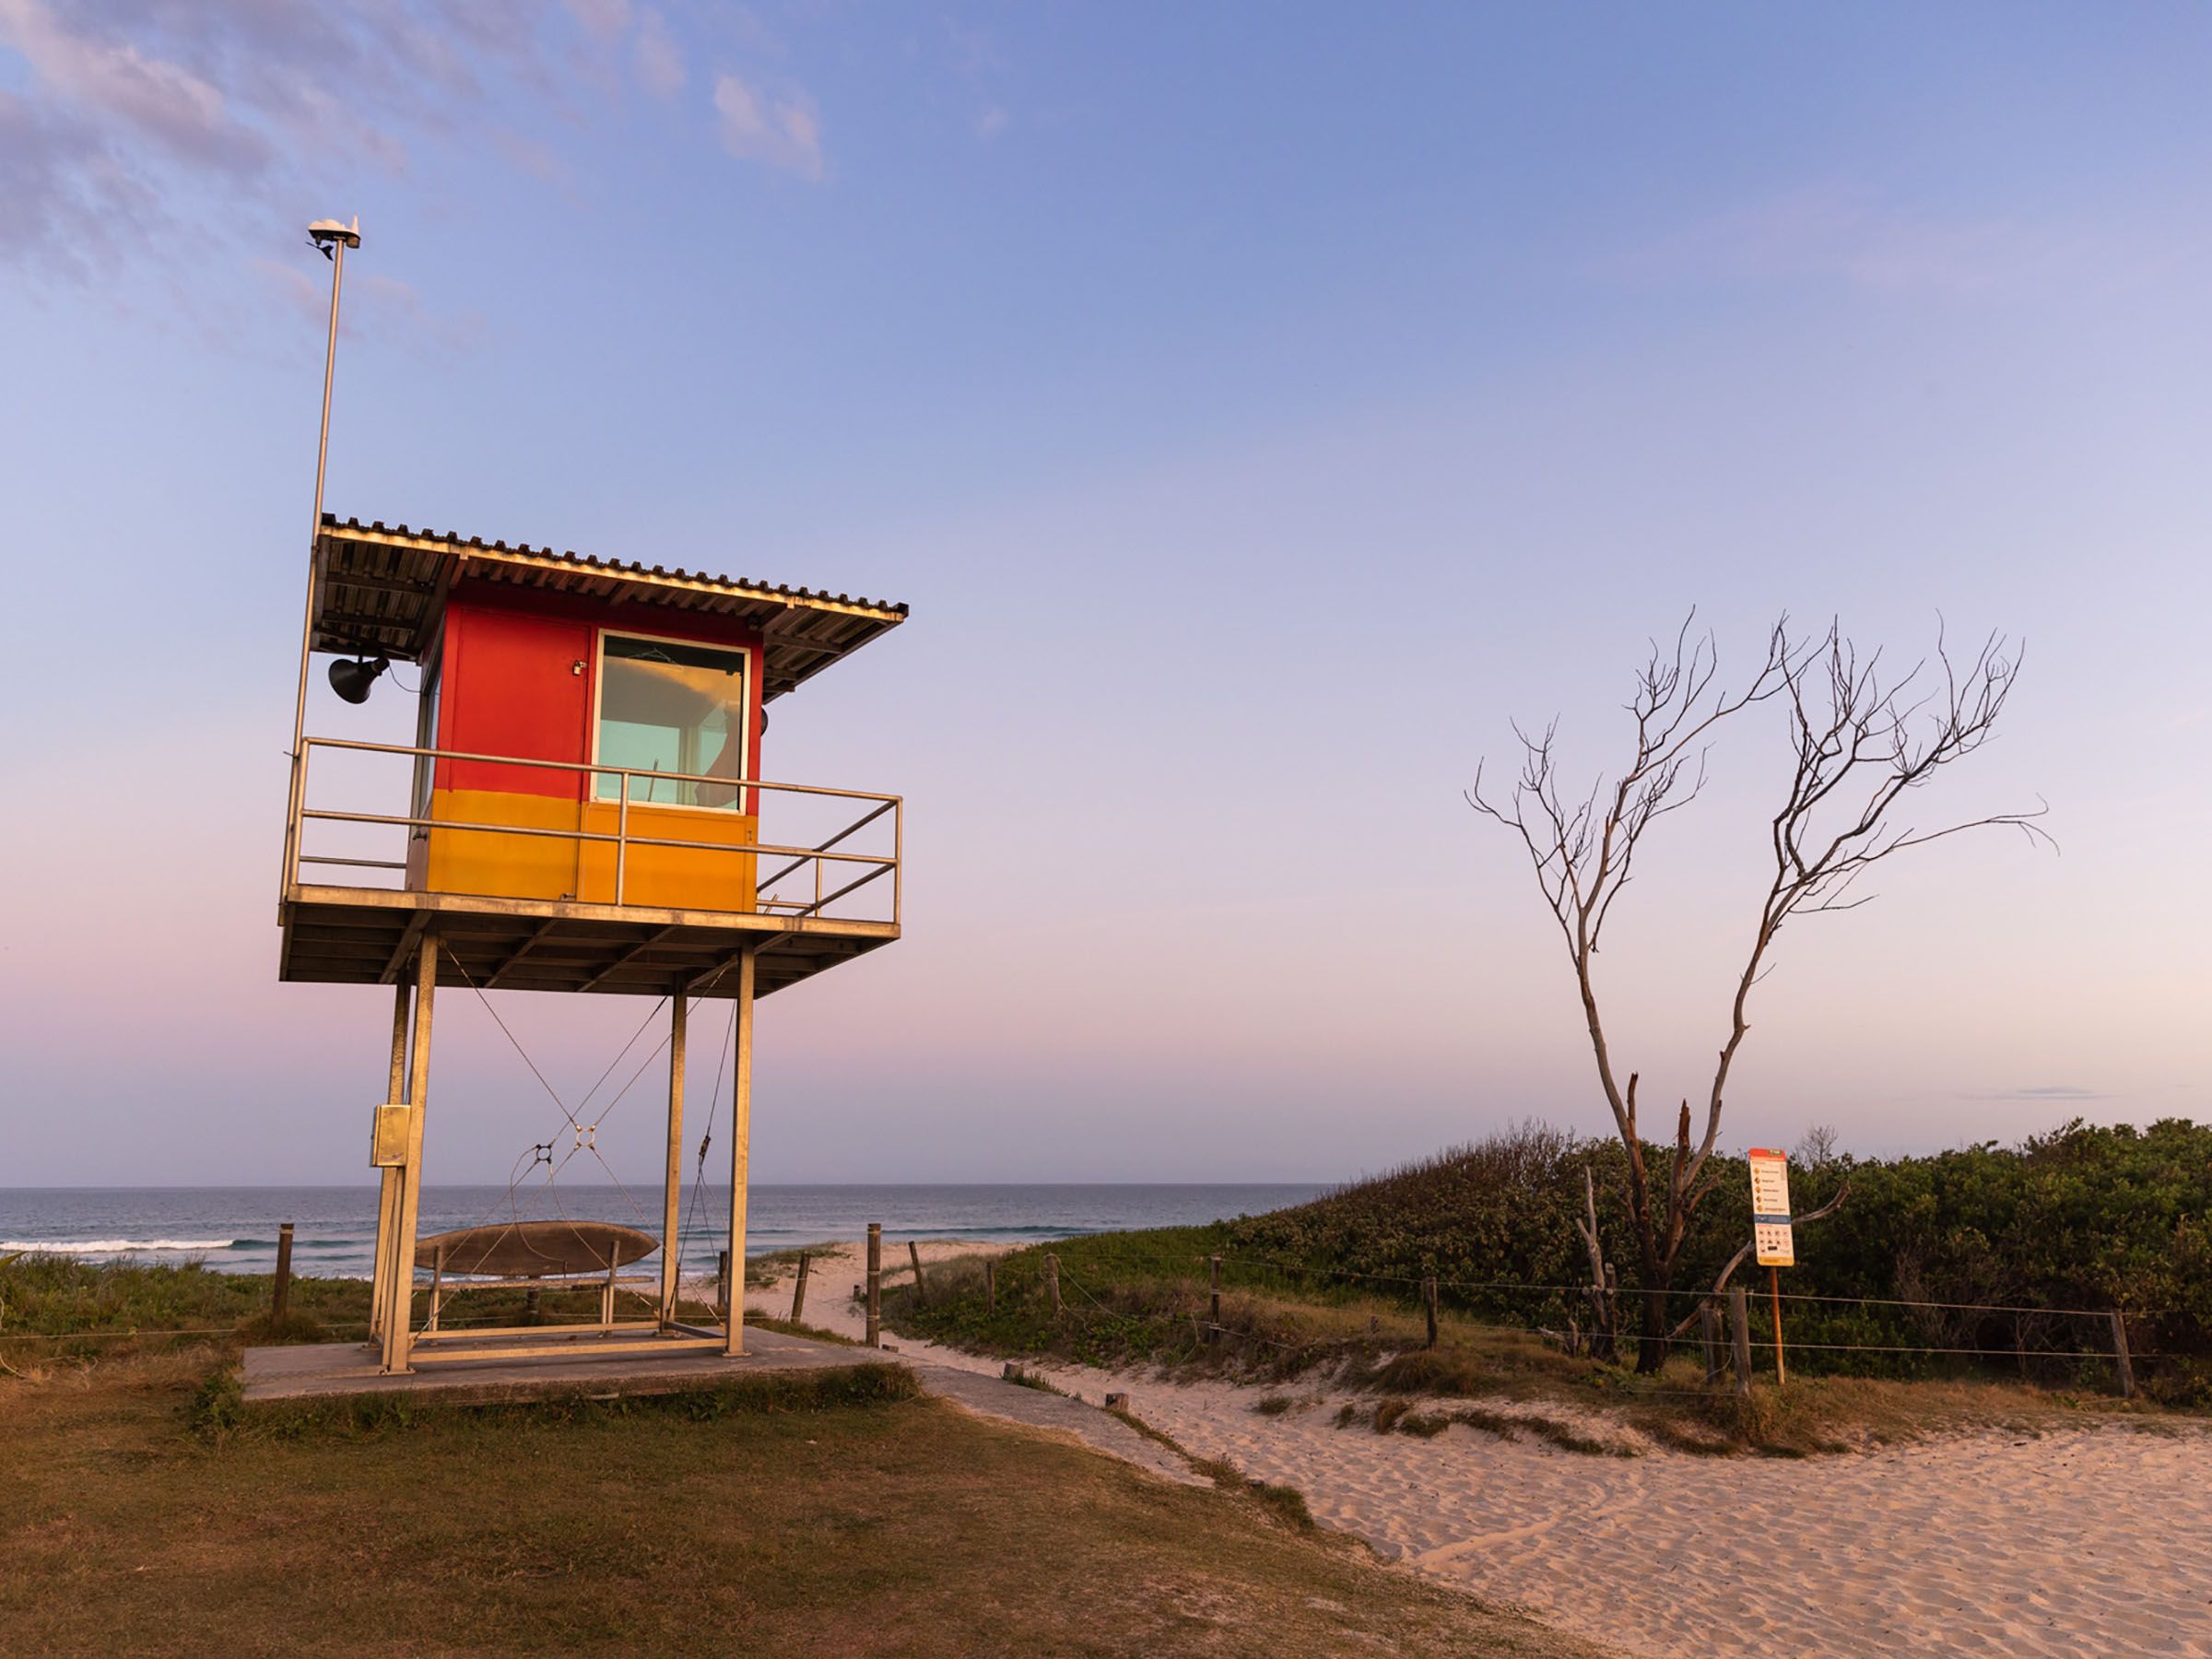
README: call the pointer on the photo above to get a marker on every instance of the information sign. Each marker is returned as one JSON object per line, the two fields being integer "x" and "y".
{"x": 1770, "y": 1229}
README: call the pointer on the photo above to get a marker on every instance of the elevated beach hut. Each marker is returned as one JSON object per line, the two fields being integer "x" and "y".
{"x": 582, "y": 811}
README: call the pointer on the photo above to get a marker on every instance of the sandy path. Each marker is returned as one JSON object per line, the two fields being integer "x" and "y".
{"x": 832, "y": 1279}
{"x": 2093, "y": 1541}
{"x": 966, "y": 1380}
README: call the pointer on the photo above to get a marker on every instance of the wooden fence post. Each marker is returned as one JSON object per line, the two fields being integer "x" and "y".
{"x": 1213, "y": 1328}
{"x": 990, "y": 1286}
{"x": 283, "y": 1297}
{"x": 2120, "y": 1354}
{"x": 875, "y": 1283}
{"x": 1429, "y": 1307}
{"x": 1052, "y": 1279}
{"x": 799, "y": 1291}
{"x": 914, "y": 1254}
{"x": 1709, "y": 1339}
{"x": 1739, "y": 1330}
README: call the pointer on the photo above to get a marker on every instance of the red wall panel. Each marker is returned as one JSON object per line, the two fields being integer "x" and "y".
{"x": 512, "y": 686}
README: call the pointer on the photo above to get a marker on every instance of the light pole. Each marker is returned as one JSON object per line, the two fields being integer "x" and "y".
{"x": 330, "y": 238}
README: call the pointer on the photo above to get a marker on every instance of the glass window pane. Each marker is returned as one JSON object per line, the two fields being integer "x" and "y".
{"x": 670, "y": 707}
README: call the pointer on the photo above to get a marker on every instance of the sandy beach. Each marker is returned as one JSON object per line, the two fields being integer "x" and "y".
{"x": 2093, "y": 1541}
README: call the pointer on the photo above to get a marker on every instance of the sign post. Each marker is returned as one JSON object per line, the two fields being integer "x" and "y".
{"x": 1772, "y": 1233}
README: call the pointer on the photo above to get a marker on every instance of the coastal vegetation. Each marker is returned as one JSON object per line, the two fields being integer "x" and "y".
{"x": 1969, "y": 1284}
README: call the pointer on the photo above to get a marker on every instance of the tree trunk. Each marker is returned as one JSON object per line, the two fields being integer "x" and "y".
{"x": 1651, "y": 1345}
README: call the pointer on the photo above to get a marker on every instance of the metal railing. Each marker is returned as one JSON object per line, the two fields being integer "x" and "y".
{"x": 827, "y": 888}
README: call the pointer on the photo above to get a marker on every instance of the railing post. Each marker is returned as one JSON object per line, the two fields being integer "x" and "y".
{"x": 621, "y": 837}
{"x": 875, "y": 1283}
{"x": 2121, "y": 1356}
{"x": 281, "y": 1301}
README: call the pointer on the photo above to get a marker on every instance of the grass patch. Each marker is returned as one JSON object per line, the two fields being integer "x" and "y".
{"x": 1273, "y": 1405}
{"x": 766, "y": 1322}
{"x": 1286, "y": 1502}
{"x": 146, "y": 1515}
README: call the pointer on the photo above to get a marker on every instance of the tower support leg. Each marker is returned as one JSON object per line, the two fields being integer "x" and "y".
{"x": 671, "y": 1197}
{"x": 400, "y": 1294}
{"x": 741, "y": 1129}
{"x": 387, "y": 1196}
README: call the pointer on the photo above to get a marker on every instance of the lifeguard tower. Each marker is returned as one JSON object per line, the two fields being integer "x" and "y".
{"x": 581, "y": 811}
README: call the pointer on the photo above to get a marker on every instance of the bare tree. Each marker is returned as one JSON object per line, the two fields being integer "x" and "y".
{"x": 1860, "y": 740}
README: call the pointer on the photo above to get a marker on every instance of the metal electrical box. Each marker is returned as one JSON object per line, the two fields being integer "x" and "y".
{"x": 388, "y": 1140}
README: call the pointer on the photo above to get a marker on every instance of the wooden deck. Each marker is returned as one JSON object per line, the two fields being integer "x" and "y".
{"x": 367, "y": 936}
{"x": 329, "y": 1371}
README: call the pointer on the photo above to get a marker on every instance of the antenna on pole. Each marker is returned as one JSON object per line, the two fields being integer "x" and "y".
{"x": 331, "y": 240}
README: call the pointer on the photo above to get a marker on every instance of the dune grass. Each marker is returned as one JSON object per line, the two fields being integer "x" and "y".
{"x": 771, "y": 1268}
{"x": 1143, "y": 1299}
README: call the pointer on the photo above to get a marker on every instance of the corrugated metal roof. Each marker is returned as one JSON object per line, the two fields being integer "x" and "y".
{"x": 383, "y": 588}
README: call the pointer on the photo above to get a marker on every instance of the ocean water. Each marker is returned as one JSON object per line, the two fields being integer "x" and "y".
{"x": 233, "y": 1230}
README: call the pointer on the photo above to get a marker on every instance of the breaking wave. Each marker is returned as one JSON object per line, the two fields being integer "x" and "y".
{"x": 109, "y": 1247}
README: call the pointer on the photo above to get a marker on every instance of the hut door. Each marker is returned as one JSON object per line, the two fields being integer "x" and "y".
{"x": 514, "y": 683}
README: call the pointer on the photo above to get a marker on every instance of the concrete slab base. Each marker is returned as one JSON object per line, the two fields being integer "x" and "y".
{"x": 335, "y": 1371}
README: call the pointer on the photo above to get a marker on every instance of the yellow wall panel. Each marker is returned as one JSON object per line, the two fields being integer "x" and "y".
{"x": 505, "y": 866}
{"x": 501, "y": 866}
{"x": 679, "y": 877}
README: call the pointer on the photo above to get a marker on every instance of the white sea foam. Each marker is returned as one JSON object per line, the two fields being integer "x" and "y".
{"x": 109, "y": 1247}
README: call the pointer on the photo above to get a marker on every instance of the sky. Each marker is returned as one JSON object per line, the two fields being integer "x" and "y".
{"x": 1260, "y": 407}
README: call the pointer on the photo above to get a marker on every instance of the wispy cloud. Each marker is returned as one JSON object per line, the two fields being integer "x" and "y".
{"x": 1855, "y": 237}
{"x": 780, "y": 131}
{"x": 136, "y": 118}
{"x": 658, "y": 60}
{"x": 209, "y": 120}
{"x": 603, "y": 19}
{"x": 376, "y": 304}
{"x": 2044, "y": 1093}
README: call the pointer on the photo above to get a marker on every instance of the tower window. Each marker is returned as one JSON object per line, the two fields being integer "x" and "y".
{"x": 671, "y": 706}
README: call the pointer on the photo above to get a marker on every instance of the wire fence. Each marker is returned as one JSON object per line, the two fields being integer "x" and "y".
{"x": 1270, "y": 1298}
{"x": 2066, "y": 1337}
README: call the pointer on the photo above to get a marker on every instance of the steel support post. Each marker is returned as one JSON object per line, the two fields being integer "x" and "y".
{"x": 741, "y": 1129}
{"x": 671, "y": 1246}
{"x": 400, "y": 1298}
{"x": 387, "y": 1196}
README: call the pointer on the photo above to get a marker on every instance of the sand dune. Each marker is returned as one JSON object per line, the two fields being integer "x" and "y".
{"x": 2091, "y": 1541}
